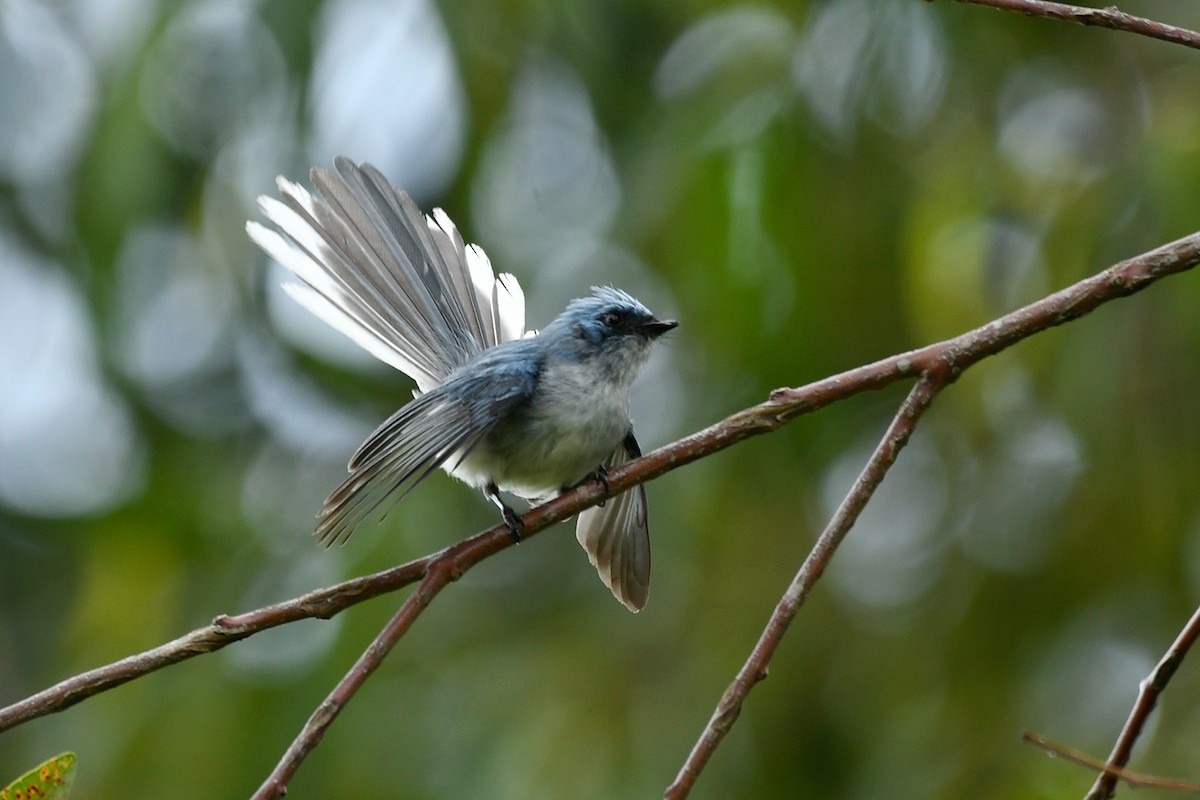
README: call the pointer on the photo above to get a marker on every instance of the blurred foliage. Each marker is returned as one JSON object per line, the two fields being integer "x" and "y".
{"x": 807, "y": 187}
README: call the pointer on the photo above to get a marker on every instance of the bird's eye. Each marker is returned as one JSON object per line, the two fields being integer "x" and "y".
{"x": 611, "y": 319}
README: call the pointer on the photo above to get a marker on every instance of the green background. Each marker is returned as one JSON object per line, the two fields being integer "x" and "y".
{"x": 806, "y": 187}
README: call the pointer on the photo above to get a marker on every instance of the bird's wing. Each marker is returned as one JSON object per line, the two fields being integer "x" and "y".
{"x": 403, "y": 286}
{"x": 616, "y": 537}
{"x": 452, "y": 419}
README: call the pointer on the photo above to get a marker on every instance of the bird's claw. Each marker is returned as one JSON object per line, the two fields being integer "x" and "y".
{"x": 599, "y": 475}
{"x": 514, "y": 523}
{"x": 511, "y": 518}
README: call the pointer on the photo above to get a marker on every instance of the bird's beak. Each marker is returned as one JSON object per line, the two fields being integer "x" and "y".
{"x": 655, "y": 327}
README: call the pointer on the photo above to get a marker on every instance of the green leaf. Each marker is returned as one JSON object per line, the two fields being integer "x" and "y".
{"x": 50, "y": 781}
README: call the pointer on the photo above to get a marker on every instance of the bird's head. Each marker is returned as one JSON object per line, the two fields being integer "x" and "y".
{"x": 611, "y": 327}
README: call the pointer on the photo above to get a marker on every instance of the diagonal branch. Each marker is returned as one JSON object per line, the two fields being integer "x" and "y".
{"x": 313, "y": 731}
{"x": 1108, "y": 17}
{"x": 224, "y": 630}
{"x": 784, "y": 405}
{"x": 937, "y": 373}
{"x": 755, "y": 667}
{"x": 1134, "y": 779}
{"x": 1148, "y": 691}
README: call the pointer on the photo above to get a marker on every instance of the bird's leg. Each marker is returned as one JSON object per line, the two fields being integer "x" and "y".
{"x": 511, "y": 518}
{"x": 599, "y": 474}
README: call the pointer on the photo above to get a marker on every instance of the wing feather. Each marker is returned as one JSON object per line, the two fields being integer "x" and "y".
{"x": 416, "y": 440}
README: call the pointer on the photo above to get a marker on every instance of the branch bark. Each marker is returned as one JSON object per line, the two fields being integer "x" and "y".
{"x": 1108, "y": 17}
{"x": 944, "y": 360}
{"x": 755, "y": 667}
{"x": 1134, "y": 779}
{"x": 950, "y": 359}
{"x": 1148, "y": 691}
{"x": 313, "y": 731}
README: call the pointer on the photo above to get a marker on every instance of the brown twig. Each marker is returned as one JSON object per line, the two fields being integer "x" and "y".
{"x": 1135, "y": 779}
{"x": 946, "y": 361}
{"x": 1108, "y": 17}
{"x": 1148, "y": 691}
{"x": 946, "y": 358}
{"x": 313, "y": 731}
{"x": 755, "y": 667}
{"x": 224, "y": 630}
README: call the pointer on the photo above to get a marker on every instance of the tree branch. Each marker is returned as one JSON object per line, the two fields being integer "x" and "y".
{"x": 224, "y": 630}
{"x": 755, "y": 667}
{"x": 944, "y": 361}
{"x": 1148, "y": 691}
{"x": 1134, "y": 779}
{"x": 436, "y": 578}
{"x": 948, "y": 361}
{"x": 1108, "y": 17}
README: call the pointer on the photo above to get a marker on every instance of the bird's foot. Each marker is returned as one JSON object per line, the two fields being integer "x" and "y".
{"x": 511, "y": 518}
{"x": 598, "y": 475}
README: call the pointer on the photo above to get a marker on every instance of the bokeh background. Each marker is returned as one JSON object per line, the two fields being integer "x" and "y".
{"x": 807, "y": 187}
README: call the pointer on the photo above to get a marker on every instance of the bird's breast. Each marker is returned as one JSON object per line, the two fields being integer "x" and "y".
{"x": 571, "y": 425}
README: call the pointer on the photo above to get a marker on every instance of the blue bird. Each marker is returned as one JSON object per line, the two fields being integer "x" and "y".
{"x": 531, "y": 414}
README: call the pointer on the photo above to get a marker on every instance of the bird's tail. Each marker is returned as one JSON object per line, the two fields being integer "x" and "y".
{"x": 402, "y": 285}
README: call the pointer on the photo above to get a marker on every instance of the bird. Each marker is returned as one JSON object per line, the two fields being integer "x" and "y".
{"x": 500, "y": 408}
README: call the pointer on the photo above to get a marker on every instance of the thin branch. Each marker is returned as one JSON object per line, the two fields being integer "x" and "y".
{"x": 755, "y": 667}
{"x": 950, "y": 360}
{"x": 1108, "y": 17}
{"x": 1119, "y": 280}
{"x": 1135, "y": 779}
{"x": 224, "y": 630}
{"x": 313, "y": 731}
{"x": 1148, "y": 691}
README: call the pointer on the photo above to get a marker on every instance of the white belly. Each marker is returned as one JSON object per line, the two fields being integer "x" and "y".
{"x": 570, "y": 427}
